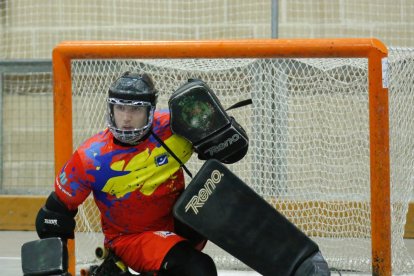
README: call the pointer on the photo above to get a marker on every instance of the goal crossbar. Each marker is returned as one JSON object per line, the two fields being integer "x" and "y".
{"x": 371, "y": 49}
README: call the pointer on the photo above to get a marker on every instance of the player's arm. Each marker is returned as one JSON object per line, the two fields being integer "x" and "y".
{"x": 54, "y": 219}
{"x": 197, "y": 115}
{"x": 57, "y": 217}
{"x": 55, "y": 224}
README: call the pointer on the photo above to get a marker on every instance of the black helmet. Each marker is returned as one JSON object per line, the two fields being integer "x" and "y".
{"x": 136, "y": 90}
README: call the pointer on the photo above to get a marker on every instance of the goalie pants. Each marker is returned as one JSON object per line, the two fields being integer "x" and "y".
{"x": 166, "y": 252}
{"x": 145, "y": 251}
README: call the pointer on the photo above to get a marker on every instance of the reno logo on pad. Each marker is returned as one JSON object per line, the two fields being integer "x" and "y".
{"x": 204, "y": 193}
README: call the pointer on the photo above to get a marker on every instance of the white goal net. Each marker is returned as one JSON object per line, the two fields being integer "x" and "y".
{"x": 309, "y": 152}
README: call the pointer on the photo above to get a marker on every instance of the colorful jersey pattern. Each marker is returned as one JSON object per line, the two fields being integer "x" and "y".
{"x": 134, "y": 187}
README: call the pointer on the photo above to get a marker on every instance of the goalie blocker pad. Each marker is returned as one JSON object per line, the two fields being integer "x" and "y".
{"x": 197, "y": 115}
{"x": 45, "y": 257}
{"x": 221, "y": 207}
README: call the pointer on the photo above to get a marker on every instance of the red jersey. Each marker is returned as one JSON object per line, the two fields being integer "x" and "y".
{"x": 134, "y": 187}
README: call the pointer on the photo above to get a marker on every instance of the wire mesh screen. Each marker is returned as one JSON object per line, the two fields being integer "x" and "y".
{"x": 27, "y": 133}
{"x": 309, "y": 143}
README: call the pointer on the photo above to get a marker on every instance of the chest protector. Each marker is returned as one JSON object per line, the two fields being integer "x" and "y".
{"x": 198, "y": 116}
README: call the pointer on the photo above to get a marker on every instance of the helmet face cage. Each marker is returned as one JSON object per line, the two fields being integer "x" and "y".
{"x": 131, "y": 89}
{"x": 130, "y": 136}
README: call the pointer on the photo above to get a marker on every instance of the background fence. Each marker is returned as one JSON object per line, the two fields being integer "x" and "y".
{"x": 29, "y": 29}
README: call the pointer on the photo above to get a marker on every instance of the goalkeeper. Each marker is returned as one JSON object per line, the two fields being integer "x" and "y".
{"x": 135, "y": 180}
{"x": 134, "y": 169}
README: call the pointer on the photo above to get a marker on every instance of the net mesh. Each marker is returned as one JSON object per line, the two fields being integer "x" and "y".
{"x": 309, "y": 142}
{"x": 30, "y": 29}
{"x": 27, "y": 120}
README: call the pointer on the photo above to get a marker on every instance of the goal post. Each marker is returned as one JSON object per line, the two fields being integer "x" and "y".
{"x": 65, "y": 53}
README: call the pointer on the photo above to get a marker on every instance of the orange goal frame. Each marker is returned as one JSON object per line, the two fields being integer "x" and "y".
{"x": 370, "y": 48}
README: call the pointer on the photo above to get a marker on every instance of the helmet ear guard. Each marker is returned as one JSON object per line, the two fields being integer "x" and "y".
{"x": 198, "y": 116}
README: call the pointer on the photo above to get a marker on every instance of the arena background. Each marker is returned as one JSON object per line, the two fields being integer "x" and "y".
{"x": 29, "y": 29}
